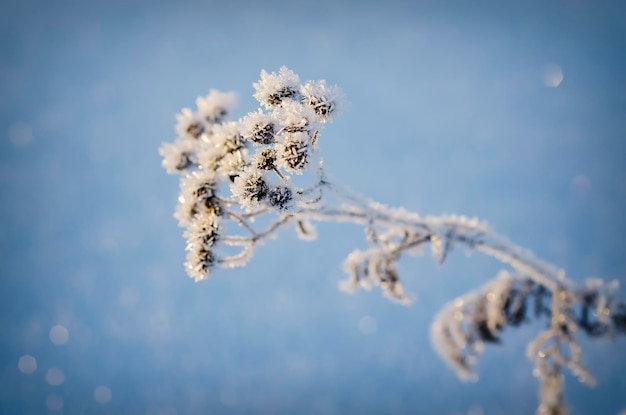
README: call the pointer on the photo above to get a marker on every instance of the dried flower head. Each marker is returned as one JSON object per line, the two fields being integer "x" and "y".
{"x": 258, "y": 127}
{"x": 202, "y": 235}
{"x": 190, "y": 124}
{"x": 294, "y": 117}
{"x": 322, "y": 98}
{"x": 227, "y": 137}
{"x": 199, "y": 262}
{"x": 281, "y": 197}
{"x": 265, "y": 159}
{"x": 250, "y": 187}
{"x": 275, "y": 88}
{"x": 178, "y": 156}
{"x": 216, "y": 106}
{"x": 293, "y": 152}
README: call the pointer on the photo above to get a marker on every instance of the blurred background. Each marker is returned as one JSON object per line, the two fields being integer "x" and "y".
{"x": 514, "y": 112}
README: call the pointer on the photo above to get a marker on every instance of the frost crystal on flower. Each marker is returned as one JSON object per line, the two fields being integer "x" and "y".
{"x": 223, "y": 189}
{"x": 275, "y": 88}
{"x": 250, "y": 187}
{"x": 280, "y": 197}
{"x": 215, "y": 107}
{"x": 190, "y": 124}
{"x": 231, "y": 164}
{"x": 258, "y": 128}
{"x": 203, "y": 231}
{"x": 202, "y": 235}
{"x": 295, "y": 118}
{"x": 196, "y": 192}
{"x": 199, "y": 261}
{"x": 323, "y": 99}
{"x": 265, "y": 159}
{"x": 228, "y": 137}
{"x": 177, "y": 156}
{"x": 293, "y": 152}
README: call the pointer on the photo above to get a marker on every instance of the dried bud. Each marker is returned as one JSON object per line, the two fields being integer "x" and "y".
{"x": 258, "y": 128}
{"x": 322, "y": 98}
{"x": 178, "y": 156}
{"x": 250, "y": 187}
{"x": 199, "y": 263}
{"x": 233, "y": 143}
{"x": 205, "y": 190}
{"x": 265, "y": 159}
{"x": 280, "y": 197}
{"x": 277, "y": 97}
{"x": 195, "y": 129}
{"x": 214, "y": 107}
{"x": 213, "y": 207}
{"x": 263, "y": 133}
{"x": 275, "y": 88}
{"x": 293, "y": 153}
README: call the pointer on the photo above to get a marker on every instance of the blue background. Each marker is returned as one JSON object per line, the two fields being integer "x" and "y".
{"x": 449, "y": 113}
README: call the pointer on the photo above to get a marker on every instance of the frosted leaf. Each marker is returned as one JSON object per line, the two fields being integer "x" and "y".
{"x": 436, "y": 246}
{"x": 273, "y": 89}
{"x": 446, "y": 344}
{"x": 600, "y": 297}
{"x": 394, "y": 291}
{"x": 306, "y": 231}
{"x": 497, "y": 294}
{"x": 215, "y": 107}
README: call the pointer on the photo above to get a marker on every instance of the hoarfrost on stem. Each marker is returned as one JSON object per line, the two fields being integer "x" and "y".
{"x": 235, "y": 171}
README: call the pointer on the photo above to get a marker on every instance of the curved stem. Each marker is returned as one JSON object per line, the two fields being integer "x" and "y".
{"x": 454, "y": 229}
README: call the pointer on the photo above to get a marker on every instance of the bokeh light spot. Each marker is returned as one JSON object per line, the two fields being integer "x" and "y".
{"x": 20, "y": 134}
{"x": 55, "y": 376}
{"x": 54, "y": 402}
{"x": 367, "y": 325}
{"x": 580, "y": 185}
{"x": 228, "y": 396}
{"x": 59, "y": 335}
{"x": 27, "y": 364}
{"x": 552, "y": 75}
{"x": 102, "y": 394}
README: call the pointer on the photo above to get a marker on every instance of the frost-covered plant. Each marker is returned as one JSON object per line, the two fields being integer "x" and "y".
{"x": 234, "y": 173}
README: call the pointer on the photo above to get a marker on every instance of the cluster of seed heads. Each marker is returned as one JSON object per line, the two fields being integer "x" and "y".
{"x": 231, "y": 168}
